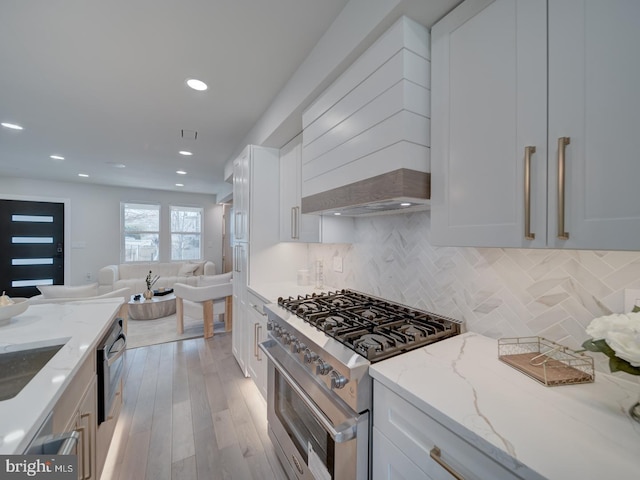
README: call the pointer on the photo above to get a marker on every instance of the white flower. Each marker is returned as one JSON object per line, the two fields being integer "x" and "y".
{"x": 621, "y": 332}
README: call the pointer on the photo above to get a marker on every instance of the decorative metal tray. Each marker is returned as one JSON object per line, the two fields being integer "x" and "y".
{"x": 545, "y": 361}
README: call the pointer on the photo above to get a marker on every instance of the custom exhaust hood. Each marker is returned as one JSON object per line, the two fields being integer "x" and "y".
{"x": 365, "y": 140}
{"x": 398, "y": 191}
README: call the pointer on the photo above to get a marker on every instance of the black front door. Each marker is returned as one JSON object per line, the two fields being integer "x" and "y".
{"x": 31, "y": 246}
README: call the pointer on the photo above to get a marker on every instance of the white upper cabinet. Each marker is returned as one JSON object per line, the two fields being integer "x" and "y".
{"x": 495, "y": 143}
{"x": 294, "y": 225}
{"x": 241, "y": 196}
{"x": 594, "y": 100}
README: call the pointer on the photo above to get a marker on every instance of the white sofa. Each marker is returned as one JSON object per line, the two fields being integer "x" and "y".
{"x": 133, "y": 275}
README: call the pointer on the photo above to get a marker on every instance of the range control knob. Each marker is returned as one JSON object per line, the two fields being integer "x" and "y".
{"x": 310, "y": 357}
{"x": 278, "y": 331}
{"x": 322, "y": 367}
{"x": 338, "y": 380}
{"x": 269, "y": 325}
{"x": 286, "y": 338}
{"x": 297, "y": 347}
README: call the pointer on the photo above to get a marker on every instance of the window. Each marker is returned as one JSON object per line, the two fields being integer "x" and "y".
{"x": 141, "y": 232}
{"x": 186, "y": 226}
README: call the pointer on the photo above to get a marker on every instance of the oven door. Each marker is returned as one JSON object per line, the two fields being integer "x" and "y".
{"x": 315, "y": 434}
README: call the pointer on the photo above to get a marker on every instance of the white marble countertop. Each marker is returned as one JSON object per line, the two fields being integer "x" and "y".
{"x": 271, "y": 291}
{"x": 564, "y": 432}
{"x": 79, "y": 325}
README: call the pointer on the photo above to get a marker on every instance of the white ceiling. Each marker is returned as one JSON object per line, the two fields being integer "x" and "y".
{"x": 103, "y": 83}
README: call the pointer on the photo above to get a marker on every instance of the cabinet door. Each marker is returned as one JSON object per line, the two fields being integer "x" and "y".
{"x": 594, "y": 75}
{"x": 257, "y": 361}
{"x": 294, "y": 226}
{"x": 241, "y": 196}
{"x": 86, "y": 424}
{"x": 489, "y": 103}
{"x": 389, "y": 463}
{"x": 239, "y": 332}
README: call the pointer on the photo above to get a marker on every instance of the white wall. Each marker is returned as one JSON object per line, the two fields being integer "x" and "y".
{"x": 95, "y": 220}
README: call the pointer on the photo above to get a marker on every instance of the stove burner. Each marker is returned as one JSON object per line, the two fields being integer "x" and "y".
{"x": 373, "y": 342}
{"x": 413, "y": 331}
{"x": 332, "y": 321}
{"x": 369, "y": 314}
{"x": 307, "y": 307}
{"x": 341, "y": 302}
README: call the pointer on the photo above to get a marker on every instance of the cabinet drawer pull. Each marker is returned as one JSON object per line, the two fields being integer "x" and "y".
{"x": 435, "y": 454}
{"x": 258, "y": 356}
{"x": 528, "y": 151}
{"x": 293, "y": 223}
{"x": 562, "y": 145}
{"x": 255, "y": 339}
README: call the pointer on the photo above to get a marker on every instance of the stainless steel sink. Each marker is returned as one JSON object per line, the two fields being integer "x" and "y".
{"x": 19, "y": 366}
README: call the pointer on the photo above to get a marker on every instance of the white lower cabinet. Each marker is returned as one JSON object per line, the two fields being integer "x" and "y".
{"x": 257, "y": 332}
{"x": 408, "y": 443}
{"x": 389, "y": 463}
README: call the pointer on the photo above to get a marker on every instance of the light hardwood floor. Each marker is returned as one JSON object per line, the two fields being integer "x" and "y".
{"x": 189, "y": 413}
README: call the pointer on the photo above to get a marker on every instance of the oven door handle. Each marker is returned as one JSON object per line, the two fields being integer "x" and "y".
{"x": 111, "y": 358}
{"x": 346, "y": 431}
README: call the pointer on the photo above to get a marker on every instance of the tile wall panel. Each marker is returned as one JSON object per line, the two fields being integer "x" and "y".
{"x": 498, "y": 292}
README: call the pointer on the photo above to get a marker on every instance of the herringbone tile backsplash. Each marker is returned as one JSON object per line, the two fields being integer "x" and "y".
{"x": 498, "y": 292}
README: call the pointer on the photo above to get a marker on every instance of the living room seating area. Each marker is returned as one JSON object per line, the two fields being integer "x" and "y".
{"x": 132, "y": 275}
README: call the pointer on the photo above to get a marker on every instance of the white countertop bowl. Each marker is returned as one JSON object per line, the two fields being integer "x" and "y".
{"x": 7, "y": 312}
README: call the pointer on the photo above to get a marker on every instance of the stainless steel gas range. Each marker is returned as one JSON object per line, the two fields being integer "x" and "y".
{"x": 319, "y": 390}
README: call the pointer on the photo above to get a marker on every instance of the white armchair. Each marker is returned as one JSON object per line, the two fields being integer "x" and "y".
{"x": 212, "y": 293}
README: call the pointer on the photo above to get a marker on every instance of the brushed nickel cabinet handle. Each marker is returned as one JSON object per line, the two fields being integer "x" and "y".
{"x": 562, "y": 145}
{"x": 88, "y": 416}
{"x": 528, "y": 151}
{"x": 258, "y": 356}
{"x": 435, "y": 454}
{"x": 293, "y": 222}
{"x": 297, "y": 209}
{"x": 255, "y": 339}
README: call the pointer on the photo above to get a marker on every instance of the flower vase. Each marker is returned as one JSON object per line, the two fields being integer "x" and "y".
{"x": 148, "y": 294}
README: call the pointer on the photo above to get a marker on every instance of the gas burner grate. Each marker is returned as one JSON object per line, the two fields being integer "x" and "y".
{"x": 373, "y": 327}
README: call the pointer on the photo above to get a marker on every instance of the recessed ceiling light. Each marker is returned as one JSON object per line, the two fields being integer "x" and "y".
{"x": 179, "y": 184}
{"x": 116, "y": 165}
{"x": 12, "y": 126}
{"x": 337, "y": 213}
{"x": 83, "y": 175}
{"x": 196, "y": 84}
{"x": 185, "y": 153}
{"x": 56, "y": 157}
{"x": 181, "y": 172}
{"x": 405, "y": 204}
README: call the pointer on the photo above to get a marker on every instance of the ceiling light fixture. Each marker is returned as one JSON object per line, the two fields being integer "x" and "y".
{"x": 181, "y": 172}
{"x": 405, "y": 204}
{"x": 179, "y": 184}
{"x": 83, "y": 175}
{"x": 56, "y": 157}
{"x": 116, "y": 165}
{"x": 337, "y": 213}
{"x": 185, "y": 153}
{"x": 12, "y": 126}
{"x": 196, "y": 84}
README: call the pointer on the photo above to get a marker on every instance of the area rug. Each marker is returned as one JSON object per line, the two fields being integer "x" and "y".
{"x": 142, "y": 333}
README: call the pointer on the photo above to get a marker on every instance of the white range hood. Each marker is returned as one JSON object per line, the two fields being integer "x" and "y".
{"x": 366, "y": 138}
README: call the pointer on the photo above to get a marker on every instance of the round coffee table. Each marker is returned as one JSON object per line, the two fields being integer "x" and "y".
{"x": 156, "y": 307}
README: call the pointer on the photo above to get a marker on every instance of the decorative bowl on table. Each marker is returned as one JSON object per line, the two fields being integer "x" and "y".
{"x": 7, "y": 312}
